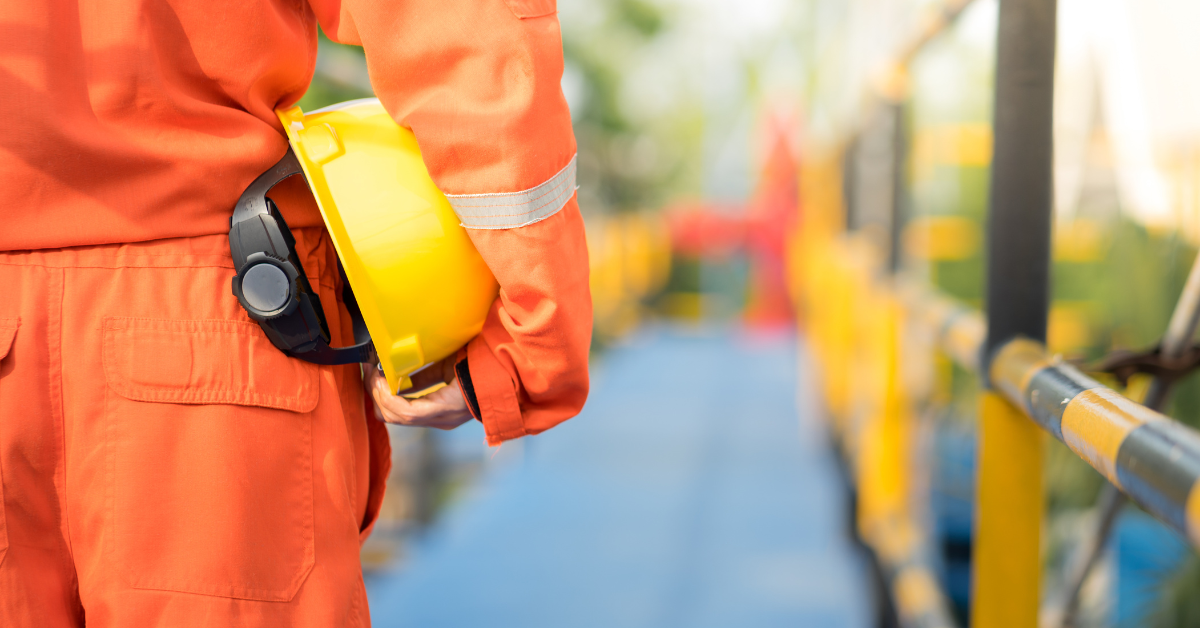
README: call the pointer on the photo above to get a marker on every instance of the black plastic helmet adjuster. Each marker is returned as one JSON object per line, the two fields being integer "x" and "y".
{"x": 270, "y": 283}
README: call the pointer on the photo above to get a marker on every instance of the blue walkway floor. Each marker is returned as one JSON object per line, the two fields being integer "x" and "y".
{"x": 689, "y": 493}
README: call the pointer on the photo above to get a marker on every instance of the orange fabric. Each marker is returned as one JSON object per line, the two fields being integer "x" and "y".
{"x": 529, "y": 364}
{"x": 478, "y": 82}
{"x": 162, "y": 464}
{"x": 131, "y": 121}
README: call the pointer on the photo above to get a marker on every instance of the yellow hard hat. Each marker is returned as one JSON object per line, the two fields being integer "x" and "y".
{"x": 421, "y": 289}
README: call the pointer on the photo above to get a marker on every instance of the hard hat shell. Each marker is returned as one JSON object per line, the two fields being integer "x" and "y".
{"x": 423, "y": 289}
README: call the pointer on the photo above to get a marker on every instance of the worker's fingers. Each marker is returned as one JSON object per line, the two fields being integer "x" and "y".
{"x": 388, "y": 407}
{"x": 440, "y": 420}
{"x": 442, "y": 409}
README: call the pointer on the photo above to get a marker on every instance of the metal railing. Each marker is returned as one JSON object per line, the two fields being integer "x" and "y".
{"x": 875, "y": 332}
{"x": 1152, "y": 458}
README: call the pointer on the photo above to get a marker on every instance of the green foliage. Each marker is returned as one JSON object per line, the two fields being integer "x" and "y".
{"x": 1143, "y": 274}
{"x": 645, "y": 18}
{"x": 1134, "y": 287}
{"x": 958, "y": 191}
{"x": 1126, "y": 294}
{"x": 629, "y": 160}
{"x": 339, "y": 68}
{"x": 322, "y": 93}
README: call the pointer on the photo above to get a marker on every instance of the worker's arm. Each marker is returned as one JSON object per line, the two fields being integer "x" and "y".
{"x": 478, "y": 82}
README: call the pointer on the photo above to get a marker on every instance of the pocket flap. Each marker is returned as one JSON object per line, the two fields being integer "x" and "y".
{"x": 204, "y": 362}
{"x": 8, "y": 332}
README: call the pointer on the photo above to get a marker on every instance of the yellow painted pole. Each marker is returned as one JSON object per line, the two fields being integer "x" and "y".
{"x": 1008, "y": 510}
{"x": 883, "y": 459}
{"x": 1008, "y": 517}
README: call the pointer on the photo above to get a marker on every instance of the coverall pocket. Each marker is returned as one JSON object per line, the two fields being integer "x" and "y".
{"x": 209, "y": 445}
{"x": 8, "y": 332}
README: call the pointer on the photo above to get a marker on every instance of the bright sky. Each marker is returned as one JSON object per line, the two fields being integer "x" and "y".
{"x": 703, "y": 57}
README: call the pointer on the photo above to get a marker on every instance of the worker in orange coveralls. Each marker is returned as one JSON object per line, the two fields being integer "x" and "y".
{"x": 161, "y": 464}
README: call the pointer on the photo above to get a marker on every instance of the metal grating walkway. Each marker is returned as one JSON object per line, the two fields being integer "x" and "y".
{"x": 686, "y": 495}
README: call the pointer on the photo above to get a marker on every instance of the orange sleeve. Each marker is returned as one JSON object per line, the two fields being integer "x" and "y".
{"x": 478, "y": 82}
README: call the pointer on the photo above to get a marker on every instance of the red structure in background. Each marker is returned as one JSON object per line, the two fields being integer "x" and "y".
{"x": 759, "y": 229}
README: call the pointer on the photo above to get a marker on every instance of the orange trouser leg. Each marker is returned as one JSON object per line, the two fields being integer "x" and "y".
{"x": 195, "y": 474}
{"x": 37, "y": 578}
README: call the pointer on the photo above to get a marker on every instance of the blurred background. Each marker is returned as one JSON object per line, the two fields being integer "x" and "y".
{"x": 727, "y": 153}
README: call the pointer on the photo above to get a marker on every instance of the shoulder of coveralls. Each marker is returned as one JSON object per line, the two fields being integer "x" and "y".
{"x": 479, "y": 86}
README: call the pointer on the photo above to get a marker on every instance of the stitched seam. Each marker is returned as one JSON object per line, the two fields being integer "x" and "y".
{"x": 557, "y": 196}
{"x": 231, "y": 396}
{"x": 238, "y": 327}
{"x": 554, "y": 188}
{"x": 8, "y": 325}
{"x": 114, "y": 380}
{"x": 68, "y": 252}
{"x": 110, "y": 464}
{"x": 516, "y": 225}
{"x": 230, "y": 591}
{"x": 112, "y": 266}
{"x": 57, "y": 401}
{"x": 303, "y": 401}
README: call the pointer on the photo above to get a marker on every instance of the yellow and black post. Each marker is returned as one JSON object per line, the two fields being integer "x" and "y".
{"x": 1008, "y": 513}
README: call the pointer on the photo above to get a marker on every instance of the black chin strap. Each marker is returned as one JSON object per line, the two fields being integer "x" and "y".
{"x": 361, "y": 351}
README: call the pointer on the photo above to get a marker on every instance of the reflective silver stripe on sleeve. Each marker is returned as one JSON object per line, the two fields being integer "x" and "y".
{"x": 506, "y": 210}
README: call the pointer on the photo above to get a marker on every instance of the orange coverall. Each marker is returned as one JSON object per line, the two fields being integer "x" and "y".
{"x": 160, "y": 462}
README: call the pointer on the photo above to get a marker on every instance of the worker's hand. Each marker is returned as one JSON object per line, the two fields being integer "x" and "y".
{"x": 444, "y": 409}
